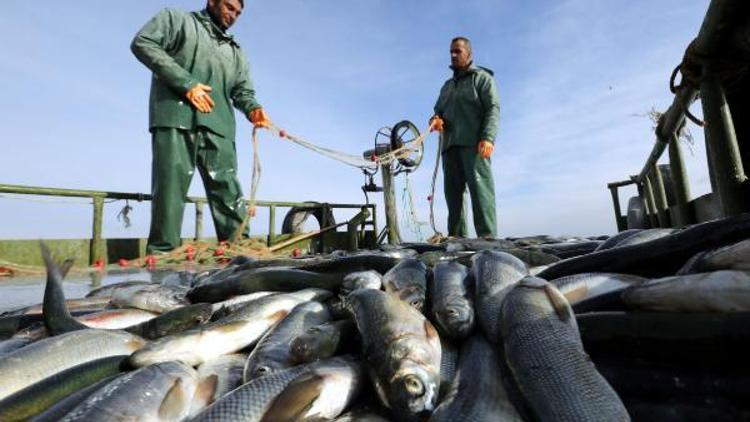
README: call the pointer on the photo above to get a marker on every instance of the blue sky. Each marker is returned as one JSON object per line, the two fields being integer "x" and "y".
{"x": 575, "y": 77}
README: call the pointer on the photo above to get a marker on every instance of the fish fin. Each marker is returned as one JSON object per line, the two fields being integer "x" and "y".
{"x": 296, "y": 399}
{"x": 176, "y": 402}
{"x": 206, "y": 389}
{"x": 577, "y": 294}
{"x": 429, "y": 330}
{"x": 57, "y": 318}
{"x": 531, "y": 281}
{"x": 66, "y": 266}
{"x": 559, "y": 303}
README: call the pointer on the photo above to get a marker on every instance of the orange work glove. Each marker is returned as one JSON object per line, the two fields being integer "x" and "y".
{"x": 436, "y": 124}
{"x": 199, "y": 98}
{"x": 259, "y": 118}
{"x": 485, "y": 148}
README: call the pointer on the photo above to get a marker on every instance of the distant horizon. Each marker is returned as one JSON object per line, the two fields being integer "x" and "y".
{"x": 576, "y": 79}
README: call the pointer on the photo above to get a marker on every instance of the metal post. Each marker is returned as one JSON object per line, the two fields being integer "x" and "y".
{"x": 650, "y": 202}
{"x": 198, "y": 220}
{"x": 96, "y": 249}
{"x": 683, "y": 214}
{"x": 391, "y": 214}
{"x": 272, "y": 225}
{"x": 661, "y": 197}
{"x": 614, "y": 190}
{"x": 352, "y": 236}
{"x": 323, "y": 224}
{"x": 721, "y": 141}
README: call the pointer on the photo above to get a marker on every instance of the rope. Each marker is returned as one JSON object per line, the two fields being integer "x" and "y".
{"x": 432, "y": 189}
{"x": 407, "y": 199}
{"x": 253, "y": 188}
{"x": 354, "y": 160}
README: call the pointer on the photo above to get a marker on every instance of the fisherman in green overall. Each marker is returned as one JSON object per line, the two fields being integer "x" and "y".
{"x": 199, "y": 74}
{"x": 467, "y": 113}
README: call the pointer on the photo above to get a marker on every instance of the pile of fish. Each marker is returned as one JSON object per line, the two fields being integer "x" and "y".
{"x": 643, "y": 325}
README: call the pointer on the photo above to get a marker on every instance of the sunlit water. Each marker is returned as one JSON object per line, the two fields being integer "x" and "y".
{"x": 20, "y": 292}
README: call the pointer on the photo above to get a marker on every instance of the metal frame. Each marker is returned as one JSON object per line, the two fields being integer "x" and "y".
{"x": 724, "y": 161}
{"x": 98, "y": 198}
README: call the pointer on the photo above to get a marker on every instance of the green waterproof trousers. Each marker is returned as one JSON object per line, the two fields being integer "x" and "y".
{"x": 176, "y": 152}
{"x": 462, "y": 166}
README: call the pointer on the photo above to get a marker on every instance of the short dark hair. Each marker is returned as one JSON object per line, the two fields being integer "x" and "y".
{"x": 242, "y": 2}
{"x": 464, "y": 40}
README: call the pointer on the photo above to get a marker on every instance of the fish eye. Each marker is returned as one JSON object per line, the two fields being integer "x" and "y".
{"x": 413, "y": 385}
{"x": 262, "y": 370}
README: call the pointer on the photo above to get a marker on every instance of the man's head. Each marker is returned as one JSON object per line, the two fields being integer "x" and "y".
{"x": 225, "y": 12}
{"x": 460, "y": 53}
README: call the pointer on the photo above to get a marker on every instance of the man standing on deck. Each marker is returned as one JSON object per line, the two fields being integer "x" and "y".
{"x": 199, "y": 73}
{"x": 467, "y": 113}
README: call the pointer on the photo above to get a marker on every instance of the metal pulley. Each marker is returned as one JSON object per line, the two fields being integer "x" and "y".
{"x": 405, "y": 134}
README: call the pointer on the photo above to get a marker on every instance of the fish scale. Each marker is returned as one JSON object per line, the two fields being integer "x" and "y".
{"x": 544, "y": 351}
{"x": 250, "y": 401}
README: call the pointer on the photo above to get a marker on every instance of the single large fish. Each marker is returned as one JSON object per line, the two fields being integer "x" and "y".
{"x": 174, "y": 321}
{"x": 451, "y": 305}
{"x": 264, "y": 279}
{"x": 151, "y": 297}
{"x": 163, "y": 391}
{"x": 544, "y": 351}
{"x": 402, "y": 350}
{"x": 718, "y": 291}
{"x": 38, "y": 397}
{"x": 323, "y": 341}
{"x": 115, "y": 319}
{"x": 731, "y": 257}
{"x": 227, "y": 335}
{"x": 477, "y": 393}
{"x": 273, "y": 351}
{"x": 51, "y": 355}
{"x": 660, "y": 257}
{"x": 318, "y": 391}
{"x": 495, "y": 273}
{"x": 408, "y": 281}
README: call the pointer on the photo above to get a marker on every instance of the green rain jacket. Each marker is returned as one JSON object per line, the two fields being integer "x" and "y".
{"x": 470, "y": 107}
{"x": 184, "y": 49}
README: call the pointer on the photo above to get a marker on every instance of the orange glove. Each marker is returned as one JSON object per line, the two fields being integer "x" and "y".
{"x": 485, "y": 148}
{"x": 199, "y": 98}
{"x": 259, "y": 118}
{"x": 436, "y": 124}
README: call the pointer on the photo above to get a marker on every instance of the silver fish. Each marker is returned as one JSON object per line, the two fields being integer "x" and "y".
{"x": 318, "y": 391}
{"x": 451, "y": 305}
{"x": 730, "y": 257}
{"x": 402, "y": 350}
{"x": 495, "y": 273}
{"x": 162, "y": 391}
{"x": 718, "y": 291}
{"x": 477, "y": 394}
{"x": 272, "y": 353}
{"x": 227, "y": 335}
{"x": 407, "y": 281}
{"x": 544, "y": 351}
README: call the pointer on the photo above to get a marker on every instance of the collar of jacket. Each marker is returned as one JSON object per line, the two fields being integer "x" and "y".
{"x": 462, "y": 73}
{"x": 205, "y": 18}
